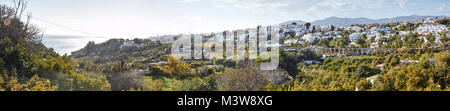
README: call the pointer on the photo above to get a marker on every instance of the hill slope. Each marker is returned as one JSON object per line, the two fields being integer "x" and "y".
{"x": 337, "y": 21}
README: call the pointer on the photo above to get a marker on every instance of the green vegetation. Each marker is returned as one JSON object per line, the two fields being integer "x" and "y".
{"x": 27, "y": 65}
{"x": 145, "y": 65}
{"x": 349, "y": 74}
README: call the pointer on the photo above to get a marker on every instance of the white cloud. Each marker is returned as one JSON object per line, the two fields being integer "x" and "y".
{"x": 444, "y": 6}
{"x": 152, "y": 17}
{"x": 258, "y": 5}
{"x": 189, "y": 1}
{"x": 310, "y": 10}
{"x": 402, "y": 3}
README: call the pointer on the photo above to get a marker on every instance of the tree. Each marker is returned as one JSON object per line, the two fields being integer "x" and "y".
{"x": 2, "y": 81}
{"x": 340, "y": 42}
{"x": 9, "y": 81}
{"x": 325, "y": 42}
{"x": 444, "y": 38}
{"x": 39, "y": 84}
{"x": 422, "y": 76}
{"x": 177, "y": 68}
{"x": 430, "y": 37}
{"x": 410, "y": 40}
{"x": 125, "y": 81}
{"x": 308, "y": 25}
{"x": 364, "y": 71}
{"x": 246, "y": 78}
{"x": 364, "y": 85}
{"x": 382, "y": 40}
{"x": 361, "y": 41}
{"x": 391, "y": 61}
{"x": 332, "y": 28}
{"x": 442, "y": 70}
{"x": 383, "y": 33}
{"x": 313, "y": 29}
{"x": 11, "y": 25}
{"x": 28, "y": 65}
{"x": 289, "y": 63}
{"x": 155, "y": 71}
{"x": 445, "y": 21}
{"x": 2, "y": 62}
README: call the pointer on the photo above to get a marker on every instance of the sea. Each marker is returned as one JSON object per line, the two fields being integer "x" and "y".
{"x": 67, "y": 44}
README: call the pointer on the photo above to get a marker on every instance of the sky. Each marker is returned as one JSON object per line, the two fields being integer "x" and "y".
{"x": 145, "y": 18}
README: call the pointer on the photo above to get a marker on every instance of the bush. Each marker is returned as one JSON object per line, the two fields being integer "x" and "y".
{"x": 364, "y": 85}
{"x": 364, "y": 71}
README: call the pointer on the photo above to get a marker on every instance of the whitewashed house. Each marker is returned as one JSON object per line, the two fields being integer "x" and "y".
{"x": 354, "y": 36}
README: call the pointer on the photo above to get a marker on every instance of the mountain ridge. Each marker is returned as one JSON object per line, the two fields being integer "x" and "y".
{"x": 343, "y": 21}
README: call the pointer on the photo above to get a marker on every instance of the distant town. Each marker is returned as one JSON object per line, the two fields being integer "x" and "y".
{"x": 406, "y": 53}
{"x": 295, "y": 35}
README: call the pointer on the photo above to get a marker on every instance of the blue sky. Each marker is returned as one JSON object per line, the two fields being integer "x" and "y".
{"x": 145, "y": 18}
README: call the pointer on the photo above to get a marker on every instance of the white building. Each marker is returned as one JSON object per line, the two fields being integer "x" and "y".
{"x": 372, "y": 79}
{"x": 310, "y": 37}
{"x": 354, "y": 36}
{"x": 291, "y": 41}
{"x": 428, "y": 28}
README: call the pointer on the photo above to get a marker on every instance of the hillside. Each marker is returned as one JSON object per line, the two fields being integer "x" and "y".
{"x": 115, "y": 49}
{"x": 27, "y": 65}
{"x": 410, "y": 64}
{"x": 337, "y": 21}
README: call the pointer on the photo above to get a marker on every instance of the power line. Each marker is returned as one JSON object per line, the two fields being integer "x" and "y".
{"x": 65, "y": 27}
